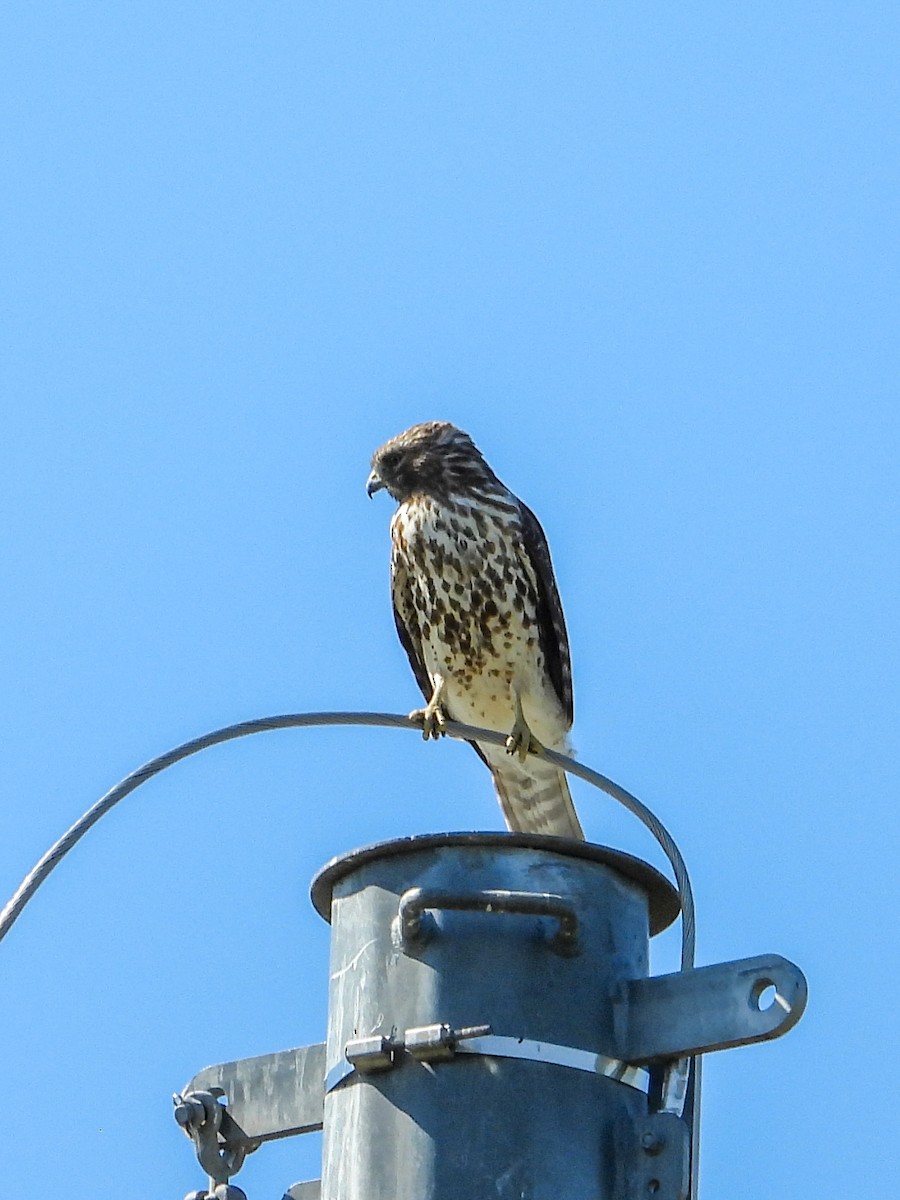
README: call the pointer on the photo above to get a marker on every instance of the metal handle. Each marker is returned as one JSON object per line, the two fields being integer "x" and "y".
{"x": 415, "y": 901}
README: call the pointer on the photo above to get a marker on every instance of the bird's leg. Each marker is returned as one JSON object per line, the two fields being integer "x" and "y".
{"x": 521, "y": 741}
{"x": 434, "y": 722}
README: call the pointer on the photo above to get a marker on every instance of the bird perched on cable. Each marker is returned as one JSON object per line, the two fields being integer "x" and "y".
{"x": 479, "y": 615}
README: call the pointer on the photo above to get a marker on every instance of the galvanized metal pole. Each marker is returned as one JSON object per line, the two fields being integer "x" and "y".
{"x": 436, "y": 938}
{"x": 493, "y": 1032}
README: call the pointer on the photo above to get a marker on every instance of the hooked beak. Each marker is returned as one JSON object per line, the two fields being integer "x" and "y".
{"x": 374, "y": 484}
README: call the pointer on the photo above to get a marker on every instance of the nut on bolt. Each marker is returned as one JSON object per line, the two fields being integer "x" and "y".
{"x": 188, "y": 1111}
{"x": 652, "y": 1143}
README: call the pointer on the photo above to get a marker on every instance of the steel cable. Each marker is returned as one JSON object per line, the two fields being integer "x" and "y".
{"x": 72, "y": 836}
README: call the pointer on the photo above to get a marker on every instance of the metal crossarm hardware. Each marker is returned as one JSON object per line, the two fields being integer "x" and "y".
{"x": 220, "y": 1150}
{"x": 269, "y": 1096}
{"x": 563, "y": 962}
{"x": 709, "y": 1008}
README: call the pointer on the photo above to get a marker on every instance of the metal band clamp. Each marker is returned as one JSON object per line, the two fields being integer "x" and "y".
{"x": 432, "y": 1043}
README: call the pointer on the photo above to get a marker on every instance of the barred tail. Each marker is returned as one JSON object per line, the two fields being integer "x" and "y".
{"x": 534, "y": 795}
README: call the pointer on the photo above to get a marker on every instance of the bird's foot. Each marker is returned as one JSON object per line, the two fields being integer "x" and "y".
{"x": 433, "y": 720}
{"x": 522, "y": 741}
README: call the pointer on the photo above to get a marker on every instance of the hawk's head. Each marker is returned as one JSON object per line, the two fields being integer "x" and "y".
{"x": 434, "y": 458}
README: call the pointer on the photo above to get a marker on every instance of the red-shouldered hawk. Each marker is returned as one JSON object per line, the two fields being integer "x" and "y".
{"x": 479, "y": 615}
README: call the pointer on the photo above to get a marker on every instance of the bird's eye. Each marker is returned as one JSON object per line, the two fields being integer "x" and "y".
{"x": 391, "y": 459}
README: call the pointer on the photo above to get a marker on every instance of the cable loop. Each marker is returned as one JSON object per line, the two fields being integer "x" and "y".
{"x": 455, "y": 729}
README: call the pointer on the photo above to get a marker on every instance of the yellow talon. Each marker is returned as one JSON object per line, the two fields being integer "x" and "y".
{"x": 521, "y": 740}
{"x": 434, "y": 721}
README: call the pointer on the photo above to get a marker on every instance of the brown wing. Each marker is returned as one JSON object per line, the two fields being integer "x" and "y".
{"x": 551, "y": 623}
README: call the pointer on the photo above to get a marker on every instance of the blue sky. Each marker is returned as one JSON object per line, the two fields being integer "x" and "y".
{"x": 647, "y": 255}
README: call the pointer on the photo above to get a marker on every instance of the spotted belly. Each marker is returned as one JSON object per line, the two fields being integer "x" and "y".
{"x": 475, "y": 601}
{"x": 487, "y": 698}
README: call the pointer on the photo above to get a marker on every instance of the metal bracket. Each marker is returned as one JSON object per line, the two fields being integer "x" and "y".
{"x": 310, "y": 1190}
{"x": 710, "y": 1008}
{"x": 657, "y": 1160}
{"x": 270, "y": 1096}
